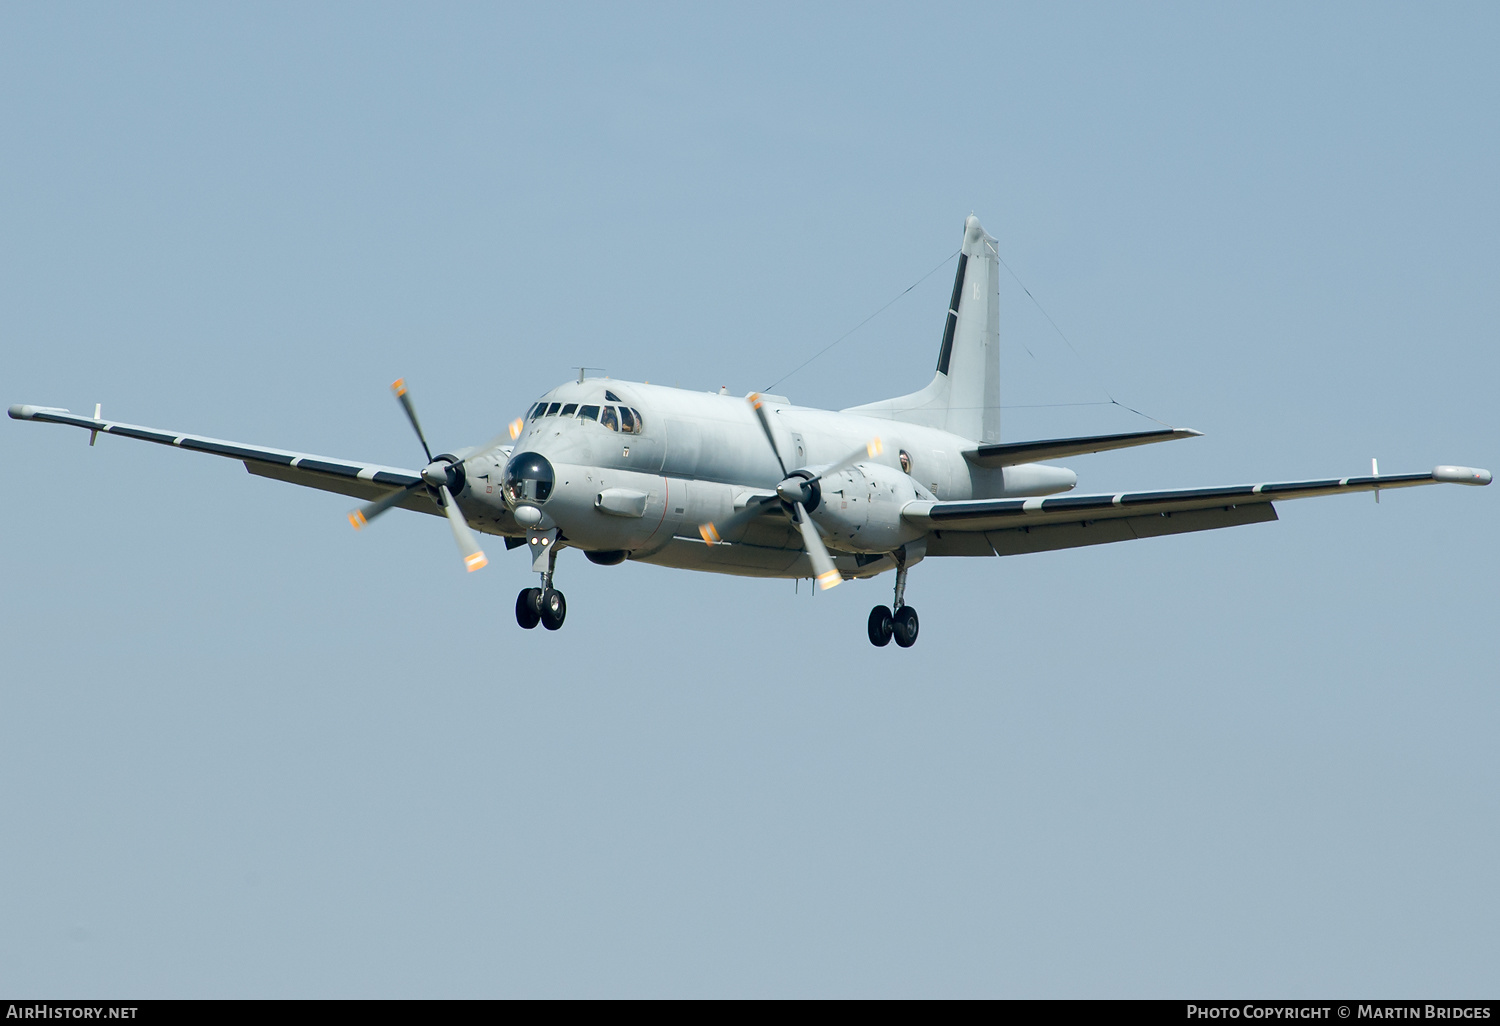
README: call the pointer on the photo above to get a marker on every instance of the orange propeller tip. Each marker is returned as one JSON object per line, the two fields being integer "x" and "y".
{"x": 876, "y": 447}
{"x": 710, "y": 536}
{"x": 399, "y": 386}
{"x": 830, "y": 579}
{"x": 476, "y": 562}
{"x": 357, "y": 519}
{"x": 515, "y": 428}
{"x": 755, "y": 399}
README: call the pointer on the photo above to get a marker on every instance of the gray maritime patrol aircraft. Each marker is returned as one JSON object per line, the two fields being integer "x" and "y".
{"x": 762, "y": 488}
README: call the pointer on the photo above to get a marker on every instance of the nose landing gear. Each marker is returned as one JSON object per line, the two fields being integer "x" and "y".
{"x": 902, "y": 624}
{"x": 529, "y": 607}
{"x": 545, "y": 605}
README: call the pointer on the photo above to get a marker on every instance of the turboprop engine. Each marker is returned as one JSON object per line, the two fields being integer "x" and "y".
{"x": 861, "y": 506}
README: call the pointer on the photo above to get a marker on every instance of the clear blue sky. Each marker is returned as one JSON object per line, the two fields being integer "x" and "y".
{"x": 247, "y": 751}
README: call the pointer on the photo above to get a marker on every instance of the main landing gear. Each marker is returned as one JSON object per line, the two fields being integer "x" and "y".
{"x": 902, "y": 624}
{"x": 545, "y": 605}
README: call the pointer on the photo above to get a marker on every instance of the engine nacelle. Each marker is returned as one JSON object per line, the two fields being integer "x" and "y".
{"x": 861, "y": 508}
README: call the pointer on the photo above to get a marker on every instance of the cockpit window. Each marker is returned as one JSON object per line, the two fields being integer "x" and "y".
{"x": 627, "y": 420}
{"x": 611, "y": 396}
{"x": 569, "y": 410}
{"x": 608, "y": 419}
{"x": 640, "y": 425}
{"x": 589, "y": 412}
{"x": 536, "y": 411}
{"x": 552, "y": 410}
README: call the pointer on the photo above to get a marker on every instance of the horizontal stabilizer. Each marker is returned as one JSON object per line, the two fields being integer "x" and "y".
{"x": 1009, "y": 454}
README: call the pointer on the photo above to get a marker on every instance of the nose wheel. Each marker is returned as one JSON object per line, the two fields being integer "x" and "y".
{"x": 529, "y": 607}
{"x": 547, "y": 607}
{"x": 900, "y": 623}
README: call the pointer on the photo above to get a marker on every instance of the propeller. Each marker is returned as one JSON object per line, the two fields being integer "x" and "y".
{"x": 797, "y": 492}
{"x": 443, "y": 476}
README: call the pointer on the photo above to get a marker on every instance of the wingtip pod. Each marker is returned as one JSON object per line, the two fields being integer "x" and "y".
{"x": 1462, "y": 475}
{"x": 23, "y": 412}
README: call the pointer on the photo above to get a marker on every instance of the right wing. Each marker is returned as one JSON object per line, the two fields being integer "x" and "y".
{"x": 1009, "y": 526}
{"x": 367, "y": 481}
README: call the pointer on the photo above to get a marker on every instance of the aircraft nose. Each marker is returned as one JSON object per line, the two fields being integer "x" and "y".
{"x": 529, "y": 478}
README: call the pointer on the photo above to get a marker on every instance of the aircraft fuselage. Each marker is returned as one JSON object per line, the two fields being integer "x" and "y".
{"x": 695, "y": 457}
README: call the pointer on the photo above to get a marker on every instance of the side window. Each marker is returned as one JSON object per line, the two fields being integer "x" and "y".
{"x": 640, "y": 425}
{"x": 552, "y": 410}
{"x": 627, "y": 420}
{"x": 569, "y": 410}
{"x": 588, "y": 412}
{"x": 607, "y": 418}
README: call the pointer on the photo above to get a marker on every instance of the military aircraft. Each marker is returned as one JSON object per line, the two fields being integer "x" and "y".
{"x": 759, "y": 487}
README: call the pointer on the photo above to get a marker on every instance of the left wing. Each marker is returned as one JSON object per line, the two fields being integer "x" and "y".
{"x": 1010, "y": 526}
{"x": 366, "y": 481}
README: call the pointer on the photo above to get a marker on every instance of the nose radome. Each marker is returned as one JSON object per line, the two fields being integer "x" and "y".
{"x": 529, "y": 478}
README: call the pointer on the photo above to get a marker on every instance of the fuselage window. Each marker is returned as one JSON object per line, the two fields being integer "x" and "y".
{"x": 588, "y": 412}
{"x": 608, "y": 419}
{"x": 569, "y": 410}
{"x": 627, "y": 420}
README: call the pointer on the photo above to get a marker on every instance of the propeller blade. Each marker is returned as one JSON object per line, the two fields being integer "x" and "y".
{"x": 474, "y": 558}
{"x": 866, "y": 452}
{"x": 510, "y": 434}
{"x": 712, "y": 533}
{"x": 822, "y": 562}
{"x": 399, "y": 387}
{"x": 362, "y": 516}
{"x": 765, "y": 425}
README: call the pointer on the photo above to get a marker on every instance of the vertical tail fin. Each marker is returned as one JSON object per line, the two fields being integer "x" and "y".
{"x": 964, "y": 395}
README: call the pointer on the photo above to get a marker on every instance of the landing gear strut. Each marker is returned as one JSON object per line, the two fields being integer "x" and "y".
{"x": 902, "y": 623}
{"x": 545, "y": 605}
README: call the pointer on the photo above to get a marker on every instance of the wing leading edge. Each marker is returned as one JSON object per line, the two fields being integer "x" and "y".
{"x": 362, "y": 480}
{"x": 1011, "y": 526}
